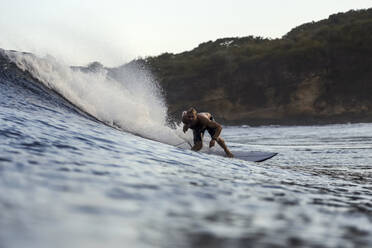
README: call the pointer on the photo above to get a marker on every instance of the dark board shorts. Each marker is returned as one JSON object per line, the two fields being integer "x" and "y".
{"x": 198, "y": 134}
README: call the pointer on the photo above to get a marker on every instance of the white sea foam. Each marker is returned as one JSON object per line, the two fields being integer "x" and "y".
{"x": 133, "y": 102}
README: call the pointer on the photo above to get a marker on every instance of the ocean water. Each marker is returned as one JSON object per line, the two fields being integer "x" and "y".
{"x": 87, "y": 160}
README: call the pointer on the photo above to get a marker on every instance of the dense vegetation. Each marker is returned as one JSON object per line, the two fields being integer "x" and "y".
{"x": 319, "y": 71}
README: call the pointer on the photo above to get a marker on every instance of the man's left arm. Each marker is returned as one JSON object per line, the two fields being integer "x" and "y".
{"x": 217, "y": 127}
{"x": 185, "y": 127}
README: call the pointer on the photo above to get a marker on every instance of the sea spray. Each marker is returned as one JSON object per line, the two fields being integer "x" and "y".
{"x": 132, "y": 101}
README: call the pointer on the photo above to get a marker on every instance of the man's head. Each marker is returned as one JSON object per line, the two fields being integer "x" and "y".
{"x": 189, "y": 116}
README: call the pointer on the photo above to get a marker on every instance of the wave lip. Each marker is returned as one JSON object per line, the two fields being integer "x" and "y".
{"x": 127, "y": 98}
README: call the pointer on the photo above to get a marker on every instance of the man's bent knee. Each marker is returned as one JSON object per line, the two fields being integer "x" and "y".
{"x": 198, "y": 146}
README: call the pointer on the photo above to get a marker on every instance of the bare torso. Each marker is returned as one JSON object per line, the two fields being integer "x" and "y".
{"x": 201, "y": 121}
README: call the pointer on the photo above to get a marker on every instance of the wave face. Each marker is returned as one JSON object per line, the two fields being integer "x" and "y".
{"x": 68, "y": 180}
{"x": 132, "y": 101}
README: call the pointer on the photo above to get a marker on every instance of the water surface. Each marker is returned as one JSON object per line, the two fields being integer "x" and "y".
{"x": 68, "y": 180}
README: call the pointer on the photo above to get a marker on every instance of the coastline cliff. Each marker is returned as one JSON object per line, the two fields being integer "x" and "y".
{"x": 319, "y": 72}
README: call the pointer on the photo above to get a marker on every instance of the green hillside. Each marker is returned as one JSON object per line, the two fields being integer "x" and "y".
{"x": 319, "y": 72}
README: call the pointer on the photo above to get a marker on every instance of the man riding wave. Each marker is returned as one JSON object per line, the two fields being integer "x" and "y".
{"x": 199, "y": 122}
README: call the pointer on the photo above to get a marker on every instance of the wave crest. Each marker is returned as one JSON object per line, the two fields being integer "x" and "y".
{"x": 127, "y": 97}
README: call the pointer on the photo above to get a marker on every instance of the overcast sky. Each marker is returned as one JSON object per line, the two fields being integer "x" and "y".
{"x": 114, "y": 32}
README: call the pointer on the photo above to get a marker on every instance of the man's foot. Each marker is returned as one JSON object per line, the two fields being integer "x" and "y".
{"x": 230, "y": 155}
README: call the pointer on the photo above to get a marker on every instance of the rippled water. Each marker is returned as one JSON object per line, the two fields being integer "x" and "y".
{"x": 67, "y": 180}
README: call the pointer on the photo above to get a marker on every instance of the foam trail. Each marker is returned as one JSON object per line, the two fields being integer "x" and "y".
{"x": 134, "y": 103}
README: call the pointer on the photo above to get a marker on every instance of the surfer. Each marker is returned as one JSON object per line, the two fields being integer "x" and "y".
{"x": 199, "y": 122}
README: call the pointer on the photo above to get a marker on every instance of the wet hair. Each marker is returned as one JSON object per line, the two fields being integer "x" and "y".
{"x": 193, "y": 110}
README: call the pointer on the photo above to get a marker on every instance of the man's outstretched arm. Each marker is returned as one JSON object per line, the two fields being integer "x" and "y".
{"x": 185, "y": 128}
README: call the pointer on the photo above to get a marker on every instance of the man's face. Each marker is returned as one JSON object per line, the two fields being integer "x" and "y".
{"x": 190, "y": 117}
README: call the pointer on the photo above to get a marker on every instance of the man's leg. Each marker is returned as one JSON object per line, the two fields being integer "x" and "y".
{"x": 198, "y": 141}
{"x": 221, "y": 142}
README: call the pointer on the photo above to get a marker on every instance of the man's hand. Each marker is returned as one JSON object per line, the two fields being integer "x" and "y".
{"x": 212, "y": 143}
{"x": 185, "y": 128}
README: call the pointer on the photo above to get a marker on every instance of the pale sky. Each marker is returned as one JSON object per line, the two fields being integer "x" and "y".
{"x": 117, "y": 31}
